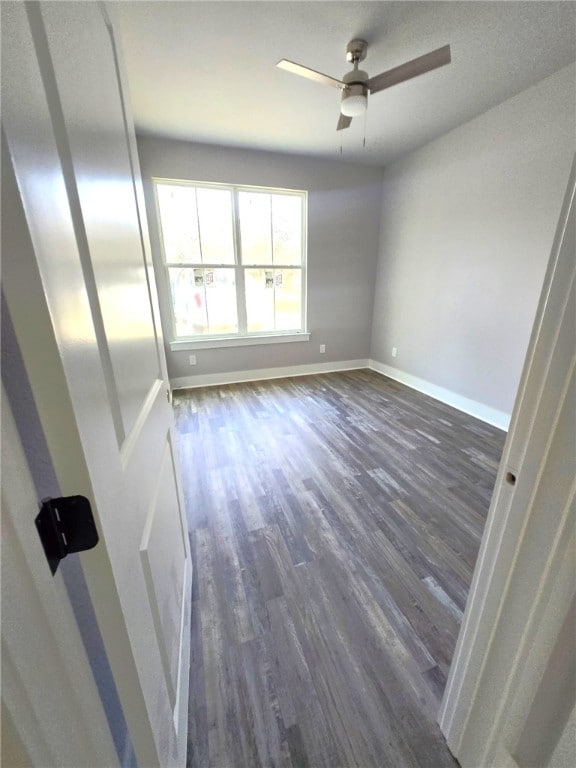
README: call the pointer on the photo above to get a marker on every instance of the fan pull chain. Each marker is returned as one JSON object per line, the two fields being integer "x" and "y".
{"x": 365, "y": 122}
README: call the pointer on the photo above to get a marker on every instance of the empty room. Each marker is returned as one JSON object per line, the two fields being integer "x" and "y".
{"x": 288, "y": 384}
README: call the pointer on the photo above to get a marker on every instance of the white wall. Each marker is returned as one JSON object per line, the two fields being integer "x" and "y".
{"x": 344, "y": 206}
{"x": 466, "y": 230}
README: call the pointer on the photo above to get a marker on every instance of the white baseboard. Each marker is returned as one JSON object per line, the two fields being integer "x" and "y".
{"x": 480, "y": 411}
{"x": 472, "y": 407}
{"x": 259, "y": 374}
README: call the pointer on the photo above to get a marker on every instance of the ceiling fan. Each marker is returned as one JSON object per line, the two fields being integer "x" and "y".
{"x": 356, "y": 85}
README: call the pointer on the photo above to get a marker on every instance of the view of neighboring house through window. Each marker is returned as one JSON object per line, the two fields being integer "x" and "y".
{"x": 235, "y": 258}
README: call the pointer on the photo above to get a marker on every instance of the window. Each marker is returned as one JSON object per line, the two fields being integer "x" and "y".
{"x": 234, "y": 258}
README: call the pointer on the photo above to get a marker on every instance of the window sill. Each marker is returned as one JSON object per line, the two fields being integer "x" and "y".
{"x": 182, "y": 345}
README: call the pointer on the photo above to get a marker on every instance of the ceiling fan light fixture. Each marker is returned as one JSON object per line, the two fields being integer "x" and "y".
{"x": 354, "y": 101}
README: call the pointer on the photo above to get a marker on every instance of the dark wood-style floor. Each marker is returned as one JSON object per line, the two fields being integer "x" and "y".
{"x": 335, "y": 524}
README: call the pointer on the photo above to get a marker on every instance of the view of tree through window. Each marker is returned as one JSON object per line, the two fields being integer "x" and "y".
{"x": 235, "y": 258}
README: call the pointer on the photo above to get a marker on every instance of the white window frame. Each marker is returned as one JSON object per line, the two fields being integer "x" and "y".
{"x": 242, "y": 337}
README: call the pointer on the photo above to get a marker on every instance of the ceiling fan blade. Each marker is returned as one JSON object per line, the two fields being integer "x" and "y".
{"x": 311, "y": 74}
{"x": 343, "y": 122}
{"x": 410, "y": 69}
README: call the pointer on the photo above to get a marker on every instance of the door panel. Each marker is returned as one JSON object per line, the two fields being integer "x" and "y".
{"x": 72, "y": 147}
{"x": 164, "y": 565}
{"x": 114, "y": 264}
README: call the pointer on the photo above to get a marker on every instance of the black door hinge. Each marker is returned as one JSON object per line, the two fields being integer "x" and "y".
{"x": 65, "y": 525}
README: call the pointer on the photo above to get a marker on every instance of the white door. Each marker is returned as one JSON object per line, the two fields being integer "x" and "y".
{"x": 84, "y": 309}
{"x": 51, "y": 710}
{"x": 511, "y": 692}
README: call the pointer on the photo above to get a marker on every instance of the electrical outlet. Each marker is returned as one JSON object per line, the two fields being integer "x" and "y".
{"x": 192, "y": 359}
{"x": 322, "y": 348}
{"x": 394, "y": 351}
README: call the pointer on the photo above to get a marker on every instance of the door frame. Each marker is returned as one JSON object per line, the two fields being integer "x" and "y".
{"x": 467, "y": 710}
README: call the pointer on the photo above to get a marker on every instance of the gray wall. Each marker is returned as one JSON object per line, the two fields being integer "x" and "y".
{"x": 344, "y": 208}
{"x": 467, "y": 226}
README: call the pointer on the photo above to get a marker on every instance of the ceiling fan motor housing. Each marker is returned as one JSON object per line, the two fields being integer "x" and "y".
{"x": 355, "y": 95}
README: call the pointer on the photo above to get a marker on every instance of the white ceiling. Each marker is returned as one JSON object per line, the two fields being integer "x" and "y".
{"x": 205, "y": 71}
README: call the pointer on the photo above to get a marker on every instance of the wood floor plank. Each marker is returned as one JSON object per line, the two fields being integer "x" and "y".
{"x": 335, "y": 522}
